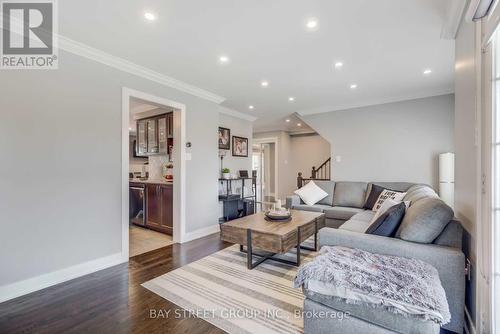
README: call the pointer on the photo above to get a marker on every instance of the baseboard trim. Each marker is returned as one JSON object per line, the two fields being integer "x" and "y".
{"x": 200, "y": 233}
{"x": 17, "y": 289}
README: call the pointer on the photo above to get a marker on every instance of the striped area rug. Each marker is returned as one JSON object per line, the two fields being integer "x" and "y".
{"x": 221, "y": 290}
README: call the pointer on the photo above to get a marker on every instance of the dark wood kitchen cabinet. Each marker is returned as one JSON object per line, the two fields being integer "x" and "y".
{"x": 159, "y": 207}
{"x": 155, "y": 134}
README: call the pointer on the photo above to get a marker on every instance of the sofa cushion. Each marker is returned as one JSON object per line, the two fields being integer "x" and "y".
{"x": 384, "y": 319}
{"x": 365, "y": 215}
{"x": 328, "y": 187}
{"x": 311, "y": 193}
{"x": 351, "y": 194}
{"x": 341, "y": 212}
{"x": 387, "y": 223}
{"x": 418, "y": 192}
{"x": 313, "y": 208}
{"x": 355, "y": 225}
{"x": 425, "y": 220}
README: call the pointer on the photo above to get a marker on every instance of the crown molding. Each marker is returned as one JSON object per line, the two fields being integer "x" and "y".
{"x": 84, "y": 50}
{"x": 237, "y": 114}
{"x": 326, "y": 109}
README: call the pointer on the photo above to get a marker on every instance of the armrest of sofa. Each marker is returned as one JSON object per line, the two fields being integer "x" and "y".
{"x": 449, "y": 262}
{"x": 292, "y": 200}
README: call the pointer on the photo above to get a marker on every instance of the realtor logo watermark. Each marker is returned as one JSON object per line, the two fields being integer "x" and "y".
{"x": 29, "y": 34}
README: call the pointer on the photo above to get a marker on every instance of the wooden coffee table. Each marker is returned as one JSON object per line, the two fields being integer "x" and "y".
{"x": 255, "y": 231}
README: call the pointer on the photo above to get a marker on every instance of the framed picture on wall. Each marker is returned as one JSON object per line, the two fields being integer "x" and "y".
{"x": 224, "y": 139}
{"x": 240, "y": 146}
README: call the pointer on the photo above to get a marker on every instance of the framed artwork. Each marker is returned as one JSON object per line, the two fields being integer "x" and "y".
{"x": 240, "y": 146}
{"x": 224, "y": 139}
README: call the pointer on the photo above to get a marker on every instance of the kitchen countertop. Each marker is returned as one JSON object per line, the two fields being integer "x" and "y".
{"x": 149, "y": 181}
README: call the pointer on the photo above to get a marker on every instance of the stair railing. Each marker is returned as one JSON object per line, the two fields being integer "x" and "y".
{"x": 322, "y": 173}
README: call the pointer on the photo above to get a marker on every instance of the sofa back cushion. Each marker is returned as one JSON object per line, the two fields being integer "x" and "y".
{"x": 424, "y": 220}
{"x": 451, "y": 236}
{"x": 328, "y": 187}
{"x": 350, "y": 194}
{"x": 418, "y": 192}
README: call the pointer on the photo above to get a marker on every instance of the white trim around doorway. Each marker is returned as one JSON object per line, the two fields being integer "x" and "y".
{"x": 179, "y": 200}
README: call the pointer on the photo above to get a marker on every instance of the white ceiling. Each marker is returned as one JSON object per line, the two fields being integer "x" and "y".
{"x": 384, "y": 44}
{"x": 142, "y": 109}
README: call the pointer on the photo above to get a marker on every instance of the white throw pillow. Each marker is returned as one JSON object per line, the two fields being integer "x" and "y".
{"x": 385, "y": 195}
{"x": 311, "y": 193}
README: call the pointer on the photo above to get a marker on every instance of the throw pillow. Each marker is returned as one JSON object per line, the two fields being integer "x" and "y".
{"x": 386, "y": 194}
{"x": 387, "y": 223}
{"x": 373, "y": 196}
{"x": 389, "y": 203}
{"x": 311, "y": 193}
{"x": 425, "y": 220}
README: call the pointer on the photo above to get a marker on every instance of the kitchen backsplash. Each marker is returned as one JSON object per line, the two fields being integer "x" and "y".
{"x": 156, "y": 163}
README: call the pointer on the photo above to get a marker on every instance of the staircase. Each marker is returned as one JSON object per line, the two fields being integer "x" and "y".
{"x": 322, "y": 173}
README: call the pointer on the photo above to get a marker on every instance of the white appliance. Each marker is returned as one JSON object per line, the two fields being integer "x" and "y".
{"x": 447, "y": 178}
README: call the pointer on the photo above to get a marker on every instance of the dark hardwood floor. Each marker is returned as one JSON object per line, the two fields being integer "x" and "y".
{"x": 111, "y": 300}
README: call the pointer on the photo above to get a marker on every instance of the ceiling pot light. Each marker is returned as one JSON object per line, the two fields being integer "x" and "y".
{"x": 312, "y": 24}
{"x": 149, "y": 16}
{"x": 264, "y": 83}
{"x": 299, "y": 124}
{"x": 291, "y": 99}
{"x": 338, "y": 65}
{"x": 427, "y": 71}
{"x": 250, "y": 107}
{"x": 354, "y": 86}
{"x": 223, "y": 59}
{"x": 287, "y": 120}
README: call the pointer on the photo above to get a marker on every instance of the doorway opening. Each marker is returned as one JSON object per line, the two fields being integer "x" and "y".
{"x": 153, "y": 173}
{"x": 264, "y": 162}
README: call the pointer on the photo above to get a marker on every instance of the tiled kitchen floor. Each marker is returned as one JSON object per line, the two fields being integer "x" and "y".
{"x": 142, "y": 240}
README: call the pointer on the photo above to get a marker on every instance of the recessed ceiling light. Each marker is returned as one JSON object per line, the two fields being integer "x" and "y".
{"x": 354, "y": 86}
{"x": 427, "y": 71}
{"x": 287, "y": 120}
{"x": 299, "y": 124}
{"x": 291, "y": 99}
{"x": 264, "y": 83}
{"x": 130, "y": 128}
{"x": 150, "y": 16}
{"x": 250, "y": 107}
{"x": 339, "y": 64}
{"x": 312, "y": 24}
{"x": 223, "y": 59}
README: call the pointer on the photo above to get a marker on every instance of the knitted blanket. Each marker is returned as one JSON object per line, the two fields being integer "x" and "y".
{"x": 400, "y": 285}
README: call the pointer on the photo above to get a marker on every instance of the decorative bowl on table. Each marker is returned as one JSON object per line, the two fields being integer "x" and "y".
{"x": 278, "y": 215}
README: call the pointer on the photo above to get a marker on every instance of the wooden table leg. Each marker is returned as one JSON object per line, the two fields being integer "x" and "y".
{"x": 298, "y": 246}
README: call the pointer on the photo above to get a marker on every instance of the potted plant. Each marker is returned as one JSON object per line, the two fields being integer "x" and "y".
{"x": 226, "y": 173}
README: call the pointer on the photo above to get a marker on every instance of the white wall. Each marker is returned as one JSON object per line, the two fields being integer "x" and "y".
{"x": 60, "y": 193}
{"x": 389, "y": 142}
{"x": 308, "y": 151}
{"x": 467, "y": 168}
{"x": 465, "y": 126}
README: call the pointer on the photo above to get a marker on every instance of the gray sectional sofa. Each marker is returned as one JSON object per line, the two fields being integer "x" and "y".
{"x": 418, "y": 237}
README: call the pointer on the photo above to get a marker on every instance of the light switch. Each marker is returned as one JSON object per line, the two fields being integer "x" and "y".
{"x": 338, "y": 158}
{"x": 188, "y": 156}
